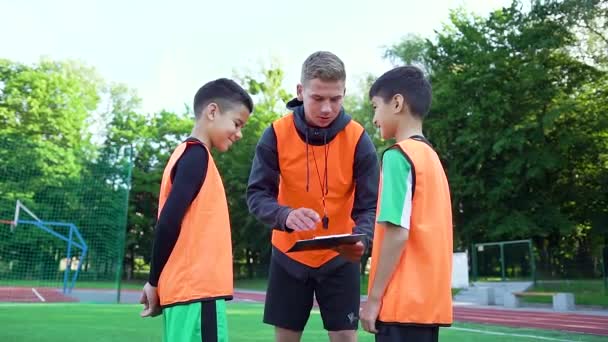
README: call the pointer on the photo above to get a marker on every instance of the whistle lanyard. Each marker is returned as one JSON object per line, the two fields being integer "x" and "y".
{"x": 323, "y": 184}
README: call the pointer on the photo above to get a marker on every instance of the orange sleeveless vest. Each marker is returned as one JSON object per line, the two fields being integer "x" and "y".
{"x": 200, "y": 265}
{"x": 292, "y": 185}
{"x": 419, "y": 291}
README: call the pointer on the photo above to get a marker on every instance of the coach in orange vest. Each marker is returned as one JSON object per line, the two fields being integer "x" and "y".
{"x": 315, "y": 172}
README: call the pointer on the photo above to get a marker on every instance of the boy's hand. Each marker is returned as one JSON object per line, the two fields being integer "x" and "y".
{"x": 149, "y": 298}
{"x": 369, "y": 314}
{"x": 352, "y": 252}
{"x": 302, "y": 219}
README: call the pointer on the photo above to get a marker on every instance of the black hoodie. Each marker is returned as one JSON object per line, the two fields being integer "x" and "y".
{"x": 263, "y": 186}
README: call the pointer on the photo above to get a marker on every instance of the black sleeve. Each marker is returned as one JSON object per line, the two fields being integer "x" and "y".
{"x": 366, "y": 174}
{"x": 263, "y": 185}
{"x": 188, "y": 176}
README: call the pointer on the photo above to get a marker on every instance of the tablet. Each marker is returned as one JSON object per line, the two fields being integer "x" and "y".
{"x": 326, "y": 242}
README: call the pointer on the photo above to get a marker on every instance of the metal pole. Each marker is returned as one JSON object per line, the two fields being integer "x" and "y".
{"x": 605, "y": 267}
{"x": 532, "y": 262}
{"x": 474, "y": 261}
{"x": 502, "y": 261}
{"x": 121, "y": 251}
{"x": 68, "y": 263}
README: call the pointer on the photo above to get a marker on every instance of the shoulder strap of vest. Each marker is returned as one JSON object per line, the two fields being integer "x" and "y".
{"x": 283, "y": 121}
{"x": 193, "y": 140}
{"x": 353, "y": 130}
{"x": 188, "y": 142}
{"x": 421, "y": 139}
{"x": 281, "y": 127}
{"x": 402, "y": 147}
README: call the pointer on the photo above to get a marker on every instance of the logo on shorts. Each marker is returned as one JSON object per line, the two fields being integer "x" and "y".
{"x": 352, "y": 318}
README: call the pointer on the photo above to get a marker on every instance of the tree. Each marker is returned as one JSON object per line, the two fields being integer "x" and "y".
{"x": 43, "y": 112}
{"x": 251, "y": 240}
{"x": 151, "y": 139}
{"x": 50, "y": 163}
{"x": 360, "y": 108}
{"x": 589, "y": 19}
{"x": 519, "y": 120}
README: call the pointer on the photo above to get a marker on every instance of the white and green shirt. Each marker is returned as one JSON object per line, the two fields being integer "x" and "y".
{"x": 396, "y": 197}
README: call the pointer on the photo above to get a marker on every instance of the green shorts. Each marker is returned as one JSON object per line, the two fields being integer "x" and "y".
{"x": 200, "y": 321}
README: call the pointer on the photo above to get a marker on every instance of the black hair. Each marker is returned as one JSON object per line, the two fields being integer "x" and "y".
{"x": 409, "y": 82}
{"x": 225, "y": 92}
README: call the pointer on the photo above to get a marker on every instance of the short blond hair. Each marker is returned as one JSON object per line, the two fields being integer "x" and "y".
{"x": 323, "y": 65}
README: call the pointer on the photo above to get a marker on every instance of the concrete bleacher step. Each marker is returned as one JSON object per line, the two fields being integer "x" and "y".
{"x": 489, "y": 293}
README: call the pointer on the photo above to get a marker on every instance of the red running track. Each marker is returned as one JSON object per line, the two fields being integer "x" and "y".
{"x": 33, "y": 295}
{"x": 570, "y": 322}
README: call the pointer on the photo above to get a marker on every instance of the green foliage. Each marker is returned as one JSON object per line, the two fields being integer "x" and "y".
{"x": 519, "y": 119}
{"x": 152, "y": 139}
{"x": 50, "y": 163}
{"x": 251, "y": 239}
{"x": 43, "y": 109}
{"x": 360, "y": 108}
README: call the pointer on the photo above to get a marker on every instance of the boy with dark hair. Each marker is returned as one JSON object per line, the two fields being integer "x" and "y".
{"x": 409, "y": 295}
{"x": 191, "y": 269}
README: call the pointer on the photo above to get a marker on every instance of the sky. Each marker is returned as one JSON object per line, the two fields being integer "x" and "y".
{"x": 166, "y": 50}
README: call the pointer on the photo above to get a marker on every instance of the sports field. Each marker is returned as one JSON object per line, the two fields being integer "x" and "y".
{"x": 120, "y": 322}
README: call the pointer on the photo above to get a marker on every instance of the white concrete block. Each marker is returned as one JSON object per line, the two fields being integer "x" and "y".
{"x": 563, "y": 302}
{"x": 460, "y": 270}
{"x": 485, "y": 296}
{"x": 510, "y": 300}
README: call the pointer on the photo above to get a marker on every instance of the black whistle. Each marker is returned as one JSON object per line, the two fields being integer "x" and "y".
{"x": 325, "y": 221}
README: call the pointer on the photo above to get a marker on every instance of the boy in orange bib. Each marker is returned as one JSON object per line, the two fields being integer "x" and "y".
{"x": 191, "y": 268}
{"x": 409, "y": 295}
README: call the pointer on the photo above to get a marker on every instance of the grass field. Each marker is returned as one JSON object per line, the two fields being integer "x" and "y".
{"x": 117, "y": 323}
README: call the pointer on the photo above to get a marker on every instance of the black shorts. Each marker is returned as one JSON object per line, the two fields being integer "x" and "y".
{"x": 290, "y": 299}
{"x": 406, "y": 333}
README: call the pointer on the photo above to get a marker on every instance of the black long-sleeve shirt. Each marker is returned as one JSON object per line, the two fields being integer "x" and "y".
{"x": 187, "y": 176}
